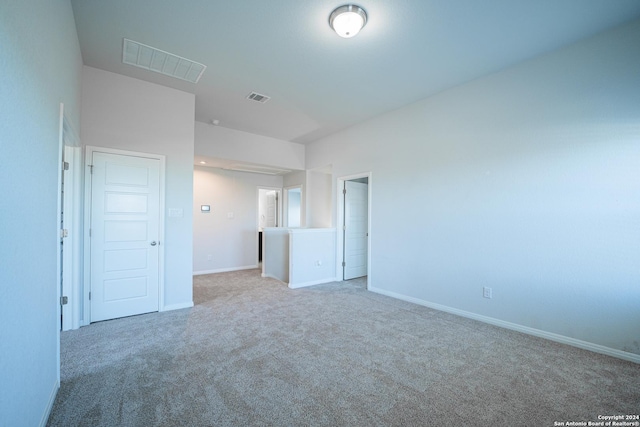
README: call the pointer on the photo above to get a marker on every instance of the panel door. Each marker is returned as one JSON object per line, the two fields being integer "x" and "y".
{"x": 272, "y": 209}
{"x": 356, "y": 224}
{"x": 125, "y": 226}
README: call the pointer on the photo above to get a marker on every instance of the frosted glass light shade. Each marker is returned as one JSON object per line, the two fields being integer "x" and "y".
{"x": 348, "y": 20}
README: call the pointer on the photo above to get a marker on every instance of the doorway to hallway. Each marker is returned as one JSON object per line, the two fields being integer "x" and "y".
{"x": 269, "y": 213}
{"x": 354, "y": 219}
{"x": 355, "y": 228}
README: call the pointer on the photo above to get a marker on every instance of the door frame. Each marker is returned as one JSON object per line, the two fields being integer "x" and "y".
{"x": 340, "y": 222}
{"x": 71, "y": 256}
{"x": 89, "y": 150}
{"x": 257, "y": 222}
{"x": 69, "y": 261}
{"x": 285, "y": 205}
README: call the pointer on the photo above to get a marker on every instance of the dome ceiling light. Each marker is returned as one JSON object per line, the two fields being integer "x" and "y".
{"x": 348, "y": 20}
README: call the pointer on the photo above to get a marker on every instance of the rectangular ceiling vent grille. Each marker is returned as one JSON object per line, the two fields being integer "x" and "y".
{"x": 258, "y": 97}
{"x": 152, "y": 59}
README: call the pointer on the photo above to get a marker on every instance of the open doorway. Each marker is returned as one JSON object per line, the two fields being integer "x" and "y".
{"x": 354, "y": 220}
{"x": 269, "y": 212}
{"x": 70, "y": 226}
{"x": 293, "y": 206}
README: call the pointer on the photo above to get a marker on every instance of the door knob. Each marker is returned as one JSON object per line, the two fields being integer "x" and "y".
{"x": 153, "y": 243}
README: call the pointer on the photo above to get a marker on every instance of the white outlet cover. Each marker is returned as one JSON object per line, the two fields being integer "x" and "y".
{"x": 487, "y": 292}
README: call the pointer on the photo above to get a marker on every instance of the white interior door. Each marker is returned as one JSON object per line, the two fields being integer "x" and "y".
{"x": 272, "y": 209}
{"x": 125, "y": 227}
{"x": 356, "y": 224}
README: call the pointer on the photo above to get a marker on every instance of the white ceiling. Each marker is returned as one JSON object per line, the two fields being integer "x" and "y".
{"x": 318, "y": 82}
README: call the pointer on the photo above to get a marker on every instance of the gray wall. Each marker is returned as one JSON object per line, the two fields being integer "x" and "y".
{"x": 40, "y": 65}
{"x": 526, "y": 181}
{"x": 129, "y": 114}
{"x": 231, "y": 242}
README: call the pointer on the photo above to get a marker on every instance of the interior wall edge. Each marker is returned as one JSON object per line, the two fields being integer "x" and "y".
{"x": 49, "y": 408}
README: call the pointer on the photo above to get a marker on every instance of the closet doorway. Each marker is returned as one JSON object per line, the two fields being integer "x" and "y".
{"x": 354, "y": 221}
{"x": 293, "y": 206}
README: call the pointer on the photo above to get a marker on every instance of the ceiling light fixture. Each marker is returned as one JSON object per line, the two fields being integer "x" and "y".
{"x": 348, "y": 20}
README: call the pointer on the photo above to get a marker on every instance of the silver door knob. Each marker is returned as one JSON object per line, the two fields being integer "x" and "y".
{"x": 153, "y": 243}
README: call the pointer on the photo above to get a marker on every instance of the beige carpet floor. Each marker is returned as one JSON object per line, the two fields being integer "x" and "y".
{"x": 252, "y": 352}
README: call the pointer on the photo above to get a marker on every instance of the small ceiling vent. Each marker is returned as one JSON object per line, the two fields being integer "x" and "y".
{"x": 152, "y": 59}
{"x": 258, "y": 97}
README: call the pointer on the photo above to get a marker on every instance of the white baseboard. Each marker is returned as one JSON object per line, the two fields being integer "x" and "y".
{"x": 224, "y": 270}
{"x": 597, "y": 348}
{"x": 177, "y": 306}
{"x": 313, "y": 282}
{"x": 52, "y": 399}
{"x": 271, "y": 276}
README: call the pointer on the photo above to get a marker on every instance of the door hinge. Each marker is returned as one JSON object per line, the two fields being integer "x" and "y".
{"x": 89, "y": 295}
{"x": 344, "y": 228}
{"x": 65, "y": 166}
{"x": 344, "y": 191}
{"x": 89, "y": 232}
{"x": 344, "y": 264}
{"x": 90, "y": 169}
{"x": 64, "y": 233}
{"x": 64, "y": 300}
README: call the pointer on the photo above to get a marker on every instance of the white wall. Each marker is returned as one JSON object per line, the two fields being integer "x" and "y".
{"x": 293, "y": 207}
{"x": 230, "y": 144}
{"x": 231, "y": 242}
{"x": 526, "y": 181}
{"x": 40, "y": 67}
{"x": 312, "y": 254}
{"x": 319, "y": 199}
{"x": 300, "y": 256}
{"x": 275, "y": 259}
{"x": 130, "y": 114}
{"x": 317, "y": 196}
{"x": 298, "y": 179}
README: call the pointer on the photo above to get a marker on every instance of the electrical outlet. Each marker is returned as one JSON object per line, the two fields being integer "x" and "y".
{"x": 487, "y": 292}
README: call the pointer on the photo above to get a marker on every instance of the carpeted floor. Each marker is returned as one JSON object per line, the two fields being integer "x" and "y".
{"x": 254, "y": 353}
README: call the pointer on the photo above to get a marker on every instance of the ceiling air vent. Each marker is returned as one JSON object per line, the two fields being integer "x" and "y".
{"x": 258, "y": 97}
{"x": 152, "y": 59}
